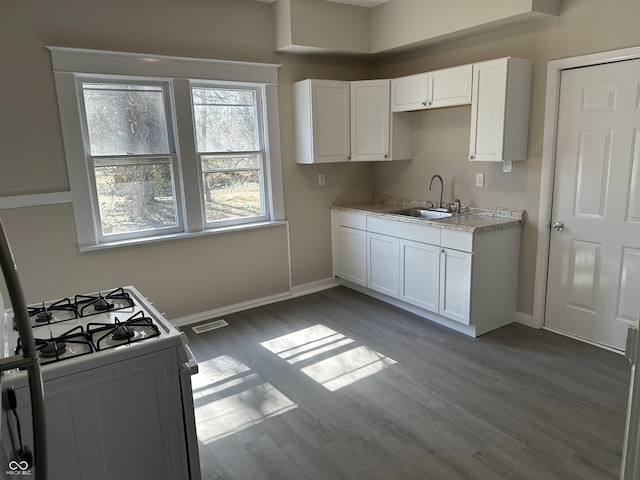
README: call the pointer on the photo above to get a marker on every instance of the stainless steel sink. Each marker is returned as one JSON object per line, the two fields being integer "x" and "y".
{"x": 423, "y": 213}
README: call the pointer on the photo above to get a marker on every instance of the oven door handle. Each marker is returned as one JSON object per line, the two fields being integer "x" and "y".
{"x": 29, "y": 355}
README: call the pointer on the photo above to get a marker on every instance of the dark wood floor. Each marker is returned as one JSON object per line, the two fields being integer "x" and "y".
{"x": 337, "y": 385}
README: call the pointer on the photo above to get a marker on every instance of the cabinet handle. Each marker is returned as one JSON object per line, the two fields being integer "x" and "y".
{"x": 472, "y": 156}
{"x": 424, "y": 104}
{"x": 386, "y": 156}
{"x": 430, "y": 103}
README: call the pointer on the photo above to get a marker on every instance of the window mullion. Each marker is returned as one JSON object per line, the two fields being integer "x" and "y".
{"x": 190, "y": 161}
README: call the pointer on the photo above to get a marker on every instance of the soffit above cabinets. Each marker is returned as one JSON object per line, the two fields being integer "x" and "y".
{"x": 379, "y": 27}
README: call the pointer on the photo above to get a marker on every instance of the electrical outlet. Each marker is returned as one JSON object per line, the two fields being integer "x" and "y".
{"x": 321, "y": 180}
{"x": 506, "y": 167}
{"x": 480, "y": 180}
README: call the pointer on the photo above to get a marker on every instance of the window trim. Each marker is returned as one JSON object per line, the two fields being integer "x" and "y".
{"x": 69, "y": 64}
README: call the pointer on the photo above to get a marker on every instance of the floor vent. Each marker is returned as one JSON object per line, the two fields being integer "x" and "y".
{"x": 205, "y": 327}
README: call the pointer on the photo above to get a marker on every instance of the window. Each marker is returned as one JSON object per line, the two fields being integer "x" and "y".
{"x": 132, "y": 161}
{"x": 153, "y": 155}
{"x": 231, "y": 153}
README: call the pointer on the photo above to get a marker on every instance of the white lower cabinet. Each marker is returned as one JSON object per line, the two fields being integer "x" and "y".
{"x": 464, "y": 280}
{"x": 420, "y": 274}
{"x": 382, "y": 262}
{"x": 352, "y": 255}
{"x": 455, "y": 285}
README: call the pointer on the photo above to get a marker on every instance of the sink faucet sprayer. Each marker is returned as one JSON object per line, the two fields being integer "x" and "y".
{"x": 441, "y": 188}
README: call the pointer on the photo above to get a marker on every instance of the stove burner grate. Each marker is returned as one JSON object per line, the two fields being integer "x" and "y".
{"x": 73, "y": 343}
{"x": 92, "y": 304}
{"x": 135, "y": 329}
{"x": 56, "y": 312}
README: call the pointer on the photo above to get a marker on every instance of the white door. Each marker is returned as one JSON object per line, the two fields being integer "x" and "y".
{"x": 593, "y": 286}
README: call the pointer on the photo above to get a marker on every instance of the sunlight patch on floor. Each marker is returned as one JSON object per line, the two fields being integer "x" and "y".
{"x": 229, "y": 397}
{"x": 328, "y": 357}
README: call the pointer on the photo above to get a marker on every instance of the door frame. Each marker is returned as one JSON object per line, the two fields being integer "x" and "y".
{"x": 547, "y": 175}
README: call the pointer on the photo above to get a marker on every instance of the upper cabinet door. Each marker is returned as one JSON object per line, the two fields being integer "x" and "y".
{"x": 500, "y": 110}
{"x": 409, "y": 93}
{"x": 370, "y": 116}
{"x": 440, "y": 88}
{"x": 322, "y": 121}
{"x": 450, "y": 86}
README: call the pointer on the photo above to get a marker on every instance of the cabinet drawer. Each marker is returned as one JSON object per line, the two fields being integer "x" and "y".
{"x": 353, "y": 220}
{"x": 405, "y": 230}
{"x": 457, "y": 239}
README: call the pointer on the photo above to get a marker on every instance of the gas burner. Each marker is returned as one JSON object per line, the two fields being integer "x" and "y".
{"x": 93, "y": 304}
{"x": 59, "y": 311}
{"x": 53, "y": 348}
{"x": 122, "y": 332}
{"x": 135, "y": 329}
{"x": 73, "y": 343}
{"x": 44, "y": 316}
{"x": 102, "y": 305}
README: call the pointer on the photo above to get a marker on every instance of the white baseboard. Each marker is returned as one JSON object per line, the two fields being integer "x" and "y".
{"x": 527, "y": 320}
{"x": 258, "y": 302}
{"x": 314, "y": 287}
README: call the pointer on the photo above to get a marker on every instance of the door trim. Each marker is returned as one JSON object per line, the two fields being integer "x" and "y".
{"x": 554, "y": 73}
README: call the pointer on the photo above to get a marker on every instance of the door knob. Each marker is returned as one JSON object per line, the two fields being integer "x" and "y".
{"x": 558, "y": 226}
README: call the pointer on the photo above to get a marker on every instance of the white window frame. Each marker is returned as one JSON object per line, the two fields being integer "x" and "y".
{"x": 70, "y": 65}
{"x": 262, "y": 152}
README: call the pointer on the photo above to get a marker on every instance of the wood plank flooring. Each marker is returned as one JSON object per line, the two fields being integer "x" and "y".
{"x": 337, "y": 385}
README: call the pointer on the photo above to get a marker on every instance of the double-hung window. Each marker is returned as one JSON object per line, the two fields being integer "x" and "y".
{"x": 132, "y": 161}
{"x": 231, "y": 154}
{"x": 153, "y": 154}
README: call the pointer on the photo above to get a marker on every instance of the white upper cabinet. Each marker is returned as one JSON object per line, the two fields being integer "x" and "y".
{"x": 370, "y": 117}
{"x": 322, "y": 121}
{"x": 441, "y": 88}
{"x": 339, "y": 121}
{"x": 500, "y": 110}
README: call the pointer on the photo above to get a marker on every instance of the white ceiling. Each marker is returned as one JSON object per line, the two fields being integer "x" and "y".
{"x": 360, "y": 3}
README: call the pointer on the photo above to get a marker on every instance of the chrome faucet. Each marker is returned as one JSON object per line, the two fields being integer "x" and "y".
{"x": 441, "y": 188}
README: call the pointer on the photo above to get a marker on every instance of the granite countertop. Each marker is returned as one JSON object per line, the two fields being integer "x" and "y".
{"x": 475, "y": 219}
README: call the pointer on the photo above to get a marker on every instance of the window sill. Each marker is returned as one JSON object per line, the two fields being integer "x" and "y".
{"x": 176, "y": 236}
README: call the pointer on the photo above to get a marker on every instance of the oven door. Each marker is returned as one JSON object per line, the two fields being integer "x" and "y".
{"x": 123, "y": 420}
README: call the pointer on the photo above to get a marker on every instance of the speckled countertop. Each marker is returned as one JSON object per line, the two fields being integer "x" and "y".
{"x": 475, "y": 219}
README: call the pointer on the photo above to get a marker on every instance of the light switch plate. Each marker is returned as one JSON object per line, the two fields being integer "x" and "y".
{"x": 506, "y": 167}
{"x": 321, "y": 180}
{"x": 480, "y": 180}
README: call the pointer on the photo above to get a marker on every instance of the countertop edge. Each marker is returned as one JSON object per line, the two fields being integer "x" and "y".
{"x": 479, "y": 219}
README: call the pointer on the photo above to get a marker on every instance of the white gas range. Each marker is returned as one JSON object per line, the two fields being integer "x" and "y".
{"x": 118, "y": 398}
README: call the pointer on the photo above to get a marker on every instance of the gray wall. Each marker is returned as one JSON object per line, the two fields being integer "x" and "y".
{"x": 185, "y": 276}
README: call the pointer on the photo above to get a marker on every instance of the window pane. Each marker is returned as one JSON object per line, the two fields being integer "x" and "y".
{"x": 135, "y": 197}
{"x": 233, "y": 194}
{"x": 233, "y": 163}
{"x": 225, "y": 120}
{"x": 126, "y": 119}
